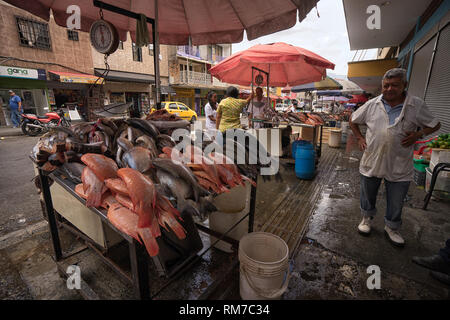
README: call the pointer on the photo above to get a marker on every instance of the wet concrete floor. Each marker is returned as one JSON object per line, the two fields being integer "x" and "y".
{"x": 329, "y": 258}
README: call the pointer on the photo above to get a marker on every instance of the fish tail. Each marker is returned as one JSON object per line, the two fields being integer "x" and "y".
{"x": 149, "y": 241}
{"x": 94, "y": 199}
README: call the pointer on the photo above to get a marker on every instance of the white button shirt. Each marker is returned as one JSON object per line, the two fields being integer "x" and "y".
{"x": 385, "y": 157}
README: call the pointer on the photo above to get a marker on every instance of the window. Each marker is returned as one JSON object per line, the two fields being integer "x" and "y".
{"x": 150, "y": 49}
{"x": 173, "y": 106}
{"x": 72, "y": 35}
{"x": 121, "y": 45}
{"x": 137, "y": 53}
{"x": 33, "y": 34}
{"x": 182, "y": 107}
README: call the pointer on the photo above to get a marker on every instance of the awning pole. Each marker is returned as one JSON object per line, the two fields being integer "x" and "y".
{"x": 155, "y": 30}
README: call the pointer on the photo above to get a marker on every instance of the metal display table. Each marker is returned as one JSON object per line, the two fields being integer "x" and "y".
{"x": 138, "y": 256}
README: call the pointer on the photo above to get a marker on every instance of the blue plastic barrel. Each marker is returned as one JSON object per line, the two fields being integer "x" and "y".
{"x": 304, "y": 159}
{"x": 294, "y": 146}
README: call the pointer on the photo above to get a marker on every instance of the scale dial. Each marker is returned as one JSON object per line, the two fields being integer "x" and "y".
{"x": 104, "y": 37}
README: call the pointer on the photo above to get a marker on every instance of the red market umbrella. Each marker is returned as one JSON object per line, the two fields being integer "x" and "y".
{"x": 286, "y": 65}
{"x": 360, "y": 98}
{"x": 204, "y": 21}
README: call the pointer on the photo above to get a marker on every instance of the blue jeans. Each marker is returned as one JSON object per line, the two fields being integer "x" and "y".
{"x": 15, "y": 117}
{"x": 395, "y": 195}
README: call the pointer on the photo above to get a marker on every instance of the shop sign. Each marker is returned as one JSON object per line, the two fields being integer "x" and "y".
{"x": 185, "y": 92}
{"x": 16, "y": 72}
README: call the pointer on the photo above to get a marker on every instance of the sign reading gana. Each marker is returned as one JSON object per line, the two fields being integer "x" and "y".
{"x": 15, "y": 72}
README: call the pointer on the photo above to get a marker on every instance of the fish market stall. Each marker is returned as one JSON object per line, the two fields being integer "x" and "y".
{"x": 118, "y": 180}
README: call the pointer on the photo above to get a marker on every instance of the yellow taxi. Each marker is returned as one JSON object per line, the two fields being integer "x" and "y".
{"x": 180, "y": 109}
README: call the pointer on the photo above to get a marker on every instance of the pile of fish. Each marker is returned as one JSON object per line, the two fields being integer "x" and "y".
{"x": 310, "y": 118}
{"x": 133, "y": 203}
{"x": 131, "y": 168}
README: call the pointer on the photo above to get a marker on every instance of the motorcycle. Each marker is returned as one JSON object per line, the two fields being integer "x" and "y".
{"x": 32, "y": 124}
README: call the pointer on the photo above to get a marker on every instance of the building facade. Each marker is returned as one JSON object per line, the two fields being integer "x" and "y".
{"x": 34, "y": 57}
{"x": 419, "y": 43}
{"x": 131, "y": 76}
{"x": 52, "y": 67}
{"x": 189, "y": 73}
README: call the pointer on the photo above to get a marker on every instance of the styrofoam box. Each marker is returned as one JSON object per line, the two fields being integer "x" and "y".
{"x": 443, "y": 174}
{"x": 440, "y": 155}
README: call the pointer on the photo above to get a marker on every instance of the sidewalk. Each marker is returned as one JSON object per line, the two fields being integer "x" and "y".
{"x": 10, "y": 131}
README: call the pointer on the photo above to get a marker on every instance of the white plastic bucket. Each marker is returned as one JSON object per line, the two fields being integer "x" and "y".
{"x": 335, "y": 138}
{"x": 232, "y": 206}
{"x": 264, "y": 266}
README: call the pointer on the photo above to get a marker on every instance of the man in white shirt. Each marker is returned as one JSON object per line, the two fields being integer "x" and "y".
{"x": 392, "y": 120}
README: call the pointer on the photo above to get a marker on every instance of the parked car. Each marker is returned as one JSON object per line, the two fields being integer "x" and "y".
{"x": 180, "y": 109}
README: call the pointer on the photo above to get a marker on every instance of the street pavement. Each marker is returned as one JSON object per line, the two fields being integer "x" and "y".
{"x": 19, "y": 201}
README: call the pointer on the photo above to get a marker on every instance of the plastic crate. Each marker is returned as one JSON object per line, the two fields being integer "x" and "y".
{"x": 420, "y": 177}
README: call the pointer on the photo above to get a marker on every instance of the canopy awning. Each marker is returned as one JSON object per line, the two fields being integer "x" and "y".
{"x": 179, "y": 20}
{"x": 369, "y": 74}
{"x": 67, "y": 77}
{"x": 392, "y": 29}
{"x": 125, "y": 76}
{"x": 326, "y": 84}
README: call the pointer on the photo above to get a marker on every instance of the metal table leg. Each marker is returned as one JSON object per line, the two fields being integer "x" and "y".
{"x": 51, "y": 216}
{"x": 139, "y": 271}
{"x": 437, "y": 169}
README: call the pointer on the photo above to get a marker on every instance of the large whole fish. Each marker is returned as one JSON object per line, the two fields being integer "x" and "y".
{"x": 93, "y": 188}
{"x": 138, "y": 158}
{"x": 182, "y": 171}
{"x": 144, "y": 125}
{"x": 143, "y": 195}
{"x": 103, "y": 167}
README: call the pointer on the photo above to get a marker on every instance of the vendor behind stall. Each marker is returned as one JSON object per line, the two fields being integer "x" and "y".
{"x": 230, "y": 109}
{"x": 257, "y": 108}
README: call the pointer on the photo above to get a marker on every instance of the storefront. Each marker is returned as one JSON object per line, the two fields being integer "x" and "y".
{"x": 186, "y": 96}
{"x": 70, "y": 91}
{"x": 132, "y": 87}
{"x": 28, "y": 84}
{"x": 427, "y": 61}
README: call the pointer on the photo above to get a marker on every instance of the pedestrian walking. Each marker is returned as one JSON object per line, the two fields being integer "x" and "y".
{"x": 392, "y": 119}
{"x": 15, "y": 104}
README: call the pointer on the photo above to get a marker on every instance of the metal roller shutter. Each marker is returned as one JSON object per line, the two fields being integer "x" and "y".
{"x": 437, "y": 96}
{"x": 420, "y": 68}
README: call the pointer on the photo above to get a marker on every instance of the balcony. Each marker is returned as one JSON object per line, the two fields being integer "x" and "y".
{"x": 218, "y": 83}
{"x": 189, "y": 52}
{"x": 215, "y": 58}
{"x": 195, "y": 78}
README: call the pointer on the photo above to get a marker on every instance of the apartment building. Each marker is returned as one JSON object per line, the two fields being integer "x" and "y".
{"x": 45, "y": 64}
{"x": 50, "y": 67}
{"x": 189, "y": 74}
{"x": 131, "y": 76}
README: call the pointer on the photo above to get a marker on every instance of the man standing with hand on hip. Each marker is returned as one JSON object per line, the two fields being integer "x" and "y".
{"x": 15, "y": 103}
{"x": 392, "y": 121}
